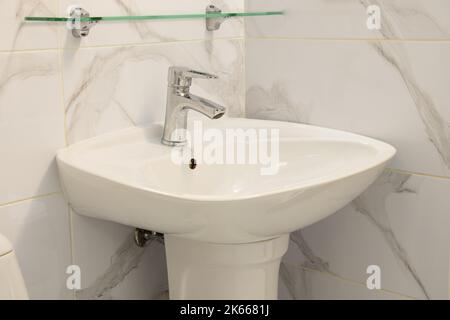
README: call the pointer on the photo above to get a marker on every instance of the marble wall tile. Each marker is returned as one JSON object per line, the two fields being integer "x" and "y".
{"x": 113, "y": 33}
{"x": 297, "y": 283}
{"x": 39, "y": 232}
{"x": 400, "y": 224}
{"x": 105, "y": 88}
{"x": 392, "y": 91}
{"x": 31, "y": 124}
{"x": 18, "y": 35}
{"x": 112, "y": 266}
{"x": 111, "y": 88}
{"x": 401, "y": 19}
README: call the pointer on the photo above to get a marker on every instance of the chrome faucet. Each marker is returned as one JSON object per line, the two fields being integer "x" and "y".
{"x": 180, "y": 101}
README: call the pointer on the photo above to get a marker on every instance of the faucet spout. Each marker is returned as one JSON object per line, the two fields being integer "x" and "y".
{"x": 206, "y": 107}
{"x": 180, "y": 101}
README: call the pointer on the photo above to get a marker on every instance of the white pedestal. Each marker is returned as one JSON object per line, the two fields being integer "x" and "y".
{"x": 199, "y": 270}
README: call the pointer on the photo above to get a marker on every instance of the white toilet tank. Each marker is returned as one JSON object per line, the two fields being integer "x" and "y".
{"x": 12, "y": 286}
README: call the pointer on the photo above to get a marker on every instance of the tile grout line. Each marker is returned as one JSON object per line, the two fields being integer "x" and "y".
{"x": 63, "y": 106}
{"x": 325, "y": 39}
{"x": 60, "y": 53}
{"x": 156, "y": 43}
{"x": 41, "y": 196}
{"x": 243, "y": 37}
{"x": 131, "y": 44}
{"x": 244, "y": 59}
{"x": 63, "y": 94}
{"x": 331, "y": 274}
{"x": 421, "y": 174}
{"x": 72, "y": 242}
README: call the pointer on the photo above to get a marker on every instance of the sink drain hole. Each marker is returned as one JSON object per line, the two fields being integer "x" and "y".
{"x": 193, "y": 164}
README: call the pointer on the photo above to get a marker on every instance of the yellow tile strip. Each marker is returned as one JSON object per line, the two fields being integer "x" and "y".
{"x": 10, "y": 203}
{"x": 131, "y": 44}
{"x": 427, "y": 175}
{"x": 412, "y": 40}
{"x": 331, "y": 274}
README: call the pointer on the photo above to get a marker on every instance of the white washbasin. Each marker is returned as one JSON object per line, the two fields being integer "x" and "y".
{"x": 129, "y": 177}
{"x": 132, "y": 180}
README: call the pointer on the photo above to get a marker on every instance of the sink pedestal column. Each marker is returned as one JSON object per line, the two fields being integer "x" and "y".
{"x": 200, "y": 270}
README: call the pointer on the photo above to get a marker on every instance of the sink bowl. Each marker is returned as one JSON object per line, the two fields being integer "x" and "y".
{"x": 132, "y": 180}
{"x": 227, "y": 210}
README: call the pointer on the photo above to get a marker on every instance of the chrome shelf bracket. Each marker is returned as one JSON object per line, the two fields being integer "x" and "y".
{"x": 80, "y": 28}
{"x": 213, "y": 24}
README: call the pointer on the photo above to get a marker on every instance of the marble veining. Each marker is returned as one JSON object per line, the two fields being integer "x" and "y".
{"x": 22, "y": 67}
{"x": 287, "y": 280}
{"x": 295, "y": 279}
{"x": 27, "y": 8}
{"x": 98, "y": 79}
{"x": 405, "y": 224}
{"x": 391, "y": 183}
{"x": 312, "y": 260}
{"x": 294, "y": 276}
{"x": 438, "y": 129}
{"x": 142, "y": 28}
{"x": 126, "y": 259}
{"x": 78, "y": 110}
{"x": 371, "y": 205}
{"x": 313, "y": 19}
{"x": 95, "y": 93}
{"x": 31, "y": 115}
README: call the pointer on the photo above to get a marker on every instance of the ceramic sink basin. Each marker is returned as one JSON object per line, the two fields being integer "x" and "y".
{"x": 226, "y": 216}
{"x": 129, "y": 177}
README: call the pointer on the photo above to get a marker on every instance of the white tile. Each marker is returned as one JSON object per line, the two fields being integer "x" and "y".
{"x": 39, "y": 231}
{"x": 111, "y": 88}
{"x": 400, "y": 19}
{"x": 113, "y": 267}
{"x": 125, "y": 32}
{"x": 297, "y": 283}
{"x": 31, "y": 124}
{"x": 394, "y": 92}
{"x": 400, "y": 224}
{"x": 16, "y": 34}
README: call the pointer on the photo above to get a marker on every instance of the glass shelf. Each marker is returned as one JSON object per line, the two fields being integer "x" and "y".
{"x": 157, "y": 17}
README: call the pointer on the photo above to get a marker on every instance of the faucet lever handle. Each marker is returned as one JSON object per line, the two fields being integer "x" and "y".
{"x": 182, "y": 77}
{"x": 198, "y": 74}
